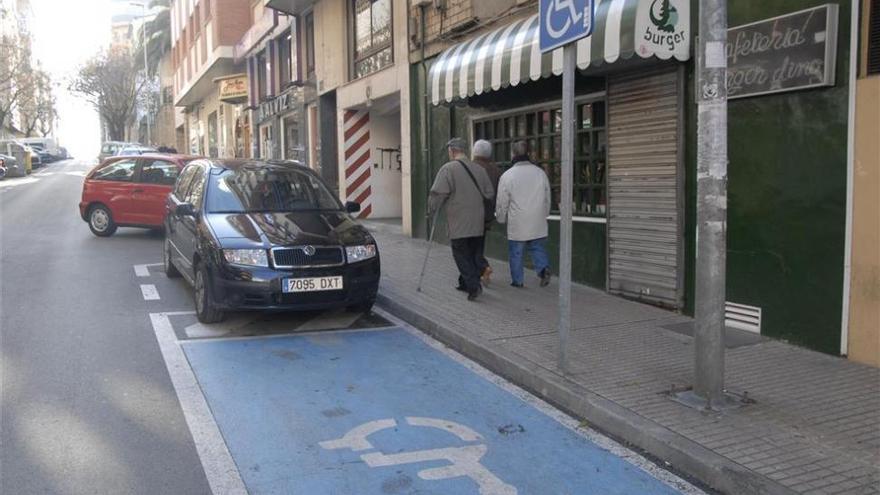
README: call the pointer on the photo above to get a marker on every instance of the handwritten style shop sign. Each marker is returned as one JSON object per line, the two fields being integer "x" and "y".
{"x": 785, "y": 53}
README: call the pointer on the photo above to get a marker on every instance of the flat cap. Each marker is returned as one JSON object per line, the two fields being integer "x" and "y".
{"x": 457, "y": 143}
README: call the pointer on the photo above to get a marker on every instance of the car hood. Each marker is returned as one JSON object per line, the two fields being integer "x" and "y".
{"x": 288, "y": 228}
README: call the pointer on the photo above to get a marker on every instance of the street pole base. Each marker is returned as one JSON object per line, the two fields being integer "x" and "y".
{"x": 729, "y": 402}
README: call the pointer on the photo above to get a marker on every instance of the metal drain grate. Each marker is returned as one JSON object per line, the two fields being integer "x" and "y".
{"x": 743, "y": 317}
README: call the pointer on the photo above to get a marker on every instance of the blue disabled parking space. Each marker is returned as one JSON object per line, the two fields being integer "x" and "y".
{"x": 382, "y": 412}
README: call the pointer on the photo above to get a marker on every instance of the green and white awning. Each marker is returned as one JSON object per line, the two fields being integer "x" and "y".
{"x": 510, "y": 55}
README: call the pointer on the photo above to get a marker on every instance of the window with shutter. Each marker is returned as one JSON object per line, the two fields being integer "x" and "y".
{"x": 873, "y": 67}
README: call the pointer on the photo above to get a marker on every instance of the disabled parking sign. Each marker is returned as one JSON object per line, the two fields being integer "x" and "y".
{"x": 564, "y": 21}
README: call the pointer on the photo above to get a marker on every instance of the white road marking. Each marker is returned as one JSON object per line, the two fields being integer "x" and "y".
{"x": 199, "y": 330}
{"x": 461, "y": 431}
{"x": 571, "y": 423}
{"x": 150, "y": 293}
{"x": 12, "y": 182}
{"x": 356, "y": 438}
{"x": 144, "y": 270}
{"x": 220, "y": 470}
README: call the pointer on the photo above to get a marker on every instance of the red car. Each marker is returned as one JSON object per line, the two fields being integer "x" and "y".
{"x": 129, "y": 191}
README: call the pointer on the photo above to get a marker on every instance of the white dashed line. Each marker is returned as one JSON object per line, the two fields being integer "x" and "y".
{"x": 150, "y": 293}
{"x": 144, "y": 270}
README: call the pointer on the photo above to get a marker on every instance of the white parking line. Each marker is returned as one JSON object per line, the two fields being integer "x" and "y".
{"x": 144, "y": 270}
{"x": 220, "y": 470}
{"x": 150, "y": 293}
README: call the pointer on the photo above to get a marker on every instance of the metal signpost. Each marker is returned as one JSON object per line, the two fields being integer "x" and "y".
{"x": 562, "y": 23}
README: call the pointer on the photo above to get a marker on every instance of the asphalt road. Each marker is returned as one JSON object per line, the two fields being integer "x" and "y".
{"x": 86, "y": 405}
{"x": 111, "y": 386}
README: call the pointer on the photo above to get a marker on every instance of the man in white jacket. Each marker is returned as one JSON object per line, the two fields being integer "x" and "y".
{"x": 523, "y": 203}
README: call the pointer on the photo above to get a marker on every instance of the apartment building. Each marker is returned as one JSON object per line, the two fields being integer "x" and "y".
{"x": 203, "y": 36}
{"x": 354, "y": 72}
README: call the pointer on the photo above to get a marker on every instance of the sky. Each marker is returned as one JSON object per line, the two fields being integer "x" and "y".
{"x": 66, "y": 34}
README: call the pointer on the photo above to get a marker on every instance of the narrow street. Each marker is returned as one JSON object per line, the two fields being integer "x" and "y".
{"x": 114, "y": 387}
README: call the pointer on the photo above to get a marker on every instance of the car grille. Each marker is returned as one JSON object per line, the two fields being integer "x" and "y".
{"x": 296, "y": 257}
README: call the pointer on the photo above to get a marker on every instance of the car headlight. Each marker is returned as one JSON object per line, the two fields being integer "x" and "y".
{"x": 360, "y": 253}
{"x": 249, "y": 257}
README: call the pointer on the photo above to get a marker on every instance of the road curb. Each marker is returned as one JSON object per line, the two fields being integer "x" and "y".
{"x": 687, "y": 456}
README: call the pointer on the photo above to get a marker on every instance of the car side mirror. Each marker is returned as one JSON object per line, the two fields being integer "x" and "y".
{"x": 185, "y": 210}
{"x": 352, "y": 207}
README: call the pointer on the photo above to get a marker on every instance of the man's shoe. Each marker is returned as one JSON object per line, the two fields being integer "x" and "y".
{"x": 545, "y": 277}
{"x": 518, "y": 286}
{"x": 486, "y": 277}
{"x": 472, "y": 296}
{"x": 461, "y": 288}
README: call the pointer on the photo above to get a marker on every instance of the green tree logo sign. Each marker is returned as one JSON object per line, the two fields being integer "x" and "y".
{"x": 666, "y": 17}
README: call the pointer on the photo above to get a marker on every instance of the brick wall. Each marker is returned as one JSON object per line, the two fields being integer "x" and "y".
{"x": 232, "y": 18}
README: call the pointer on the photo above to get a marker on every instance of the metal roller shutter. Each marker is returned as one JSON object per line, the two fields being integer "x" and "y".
{"x": 645, "y": 236}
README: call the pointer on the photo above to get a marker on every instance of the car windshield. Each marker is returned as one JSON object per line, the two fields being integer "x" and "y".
{"x": 253, "y": 190}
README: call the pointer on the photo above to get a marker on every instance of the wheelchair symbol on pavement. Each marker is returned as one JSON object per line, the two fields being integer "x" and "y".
{"x": 463, "y": 461}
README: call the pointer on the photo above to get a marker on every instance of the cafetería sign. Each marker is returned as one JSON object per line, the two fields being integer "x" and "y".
{"x": 234, "y": 89}
{"x": 785, "y": 53}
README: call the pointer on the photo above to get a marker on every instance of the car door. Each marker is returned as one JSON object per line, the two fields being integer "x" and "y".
{"x": 188, "y": 225}
{"x": 114, "y": 185}
{"x": 155, "y": 180}
{"x": 173, "y": 224}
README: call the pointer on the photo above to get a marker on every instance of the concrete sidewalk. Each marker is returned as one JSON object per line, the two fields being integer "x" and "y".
{"x": 814, "y": 426}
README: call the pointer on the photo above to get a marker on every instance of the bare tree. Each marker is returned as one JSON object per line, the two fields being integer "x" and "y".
{"x": 111, "y": 83}
{"x": 15, "y": 70}
{"x": 37, "y": 103}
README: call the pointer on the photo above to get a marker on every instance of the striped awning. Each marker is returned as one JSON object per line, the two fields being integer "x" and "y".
{"x": 511, "y": 55}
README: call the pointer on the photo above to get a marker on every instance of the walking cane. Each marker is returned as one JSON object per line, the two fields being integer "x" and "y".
{"x": 428, "y": 251}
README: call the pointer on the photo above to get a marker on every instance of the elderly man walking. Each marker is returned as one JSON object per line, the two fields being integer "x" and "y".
{"x": 523, "y": 204}
{"x": 463, "y": 188}
{"x": 482, "y": 156}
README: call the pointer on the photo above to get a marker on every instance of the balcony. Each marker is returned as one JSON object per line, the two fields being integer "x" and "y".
{"x": 293, "y": 7}
{"x": 252, "y": 37}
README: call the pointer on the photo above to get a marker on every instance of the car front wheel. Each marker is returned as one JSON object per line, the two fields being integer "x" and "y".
{"x": 206, "y": 309}
{"x": 101, "y": 221}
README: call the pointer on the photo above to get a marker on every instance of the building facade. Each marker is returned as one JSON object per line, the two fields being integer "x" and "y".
{"x": 863, "y": 317}
{"x": 354, "y": 70}
{"x": 484, "y": 77}
{"x": 203, "y": 36}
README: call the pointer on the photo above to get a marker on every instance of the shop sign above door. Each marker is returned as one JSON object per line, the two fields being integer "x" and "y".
{"x": 234, "y": 89}
{"x": 281, "y": 104}
{"x": 785, "y": 53}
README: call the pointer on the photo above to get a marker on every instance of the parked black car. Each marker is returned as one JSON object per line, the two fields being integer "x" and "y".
{"x": 266, "y": 236}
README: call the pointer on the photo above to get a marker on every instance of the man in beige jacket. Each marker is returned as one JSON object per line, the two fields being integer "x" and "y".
{"x": 461, "y": 186}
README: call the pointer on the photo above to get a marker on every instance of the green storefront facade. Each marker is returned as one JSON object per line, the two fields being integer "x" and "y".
{"x": 787, "y": 173}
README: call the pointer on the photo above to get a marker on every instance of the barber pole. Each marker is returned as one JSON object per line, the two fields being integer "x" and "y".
{"x": 358, "y": 166}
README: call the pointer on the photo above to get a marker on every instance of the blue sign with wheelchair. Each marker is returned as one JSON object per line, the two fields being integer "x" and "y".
{"x": 564, "y": 21}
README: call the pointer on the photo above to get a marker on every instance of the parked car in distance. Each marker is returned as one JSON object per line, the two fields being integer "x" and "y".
{"x": 36, "y": 159}
{"x": 135, "y": 150}
{"x": 129, "y": 191}
{"x": 17, "y": 158}
{"x": 109, "y": 148}
{"x": 11, "y": 167}
{"x": 251, "y": 235}
{"x": 46, "y": 146}
{"x": 2, "y": 167}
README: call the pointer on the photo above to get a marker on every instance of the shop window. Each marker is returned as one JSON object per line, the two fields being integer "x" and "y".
{"x": 309, "y": 28}
{"x": 371, "y": 35}
{"x": 285, "y": 59}
{"x": 213, "y": 151}
{"x": 542, "y": 129}
{"x": 262, "y": 76}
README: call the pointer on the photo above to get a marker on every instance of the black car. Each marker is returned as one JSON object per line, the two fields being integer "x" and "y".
{"x": 266, "y": 236}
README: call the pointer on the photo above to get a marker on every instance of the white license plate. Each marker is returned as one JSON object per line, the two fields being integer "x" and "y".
{"x": 314, "y": 284}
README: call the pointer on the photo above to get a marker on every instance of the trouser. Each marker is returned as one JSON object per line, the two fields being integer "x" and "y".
{"x": 537, "y": 251}
{"x": 467, "y": 253}
{"x": 482, "y": 262}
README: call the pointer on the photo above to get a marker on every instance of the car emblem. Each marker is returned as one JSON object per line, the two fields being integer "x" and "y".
{"x": 309, "y": 250}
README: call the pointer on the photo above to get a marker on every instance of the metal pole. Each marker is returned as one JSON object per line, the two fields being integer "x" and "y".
{"x": 565, "y": 201}
{"x": 711, "y": 262}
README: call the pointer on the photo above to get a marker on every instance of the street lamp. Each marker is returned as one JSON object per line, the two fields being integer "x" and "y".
{"x": 143, "y": 5}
